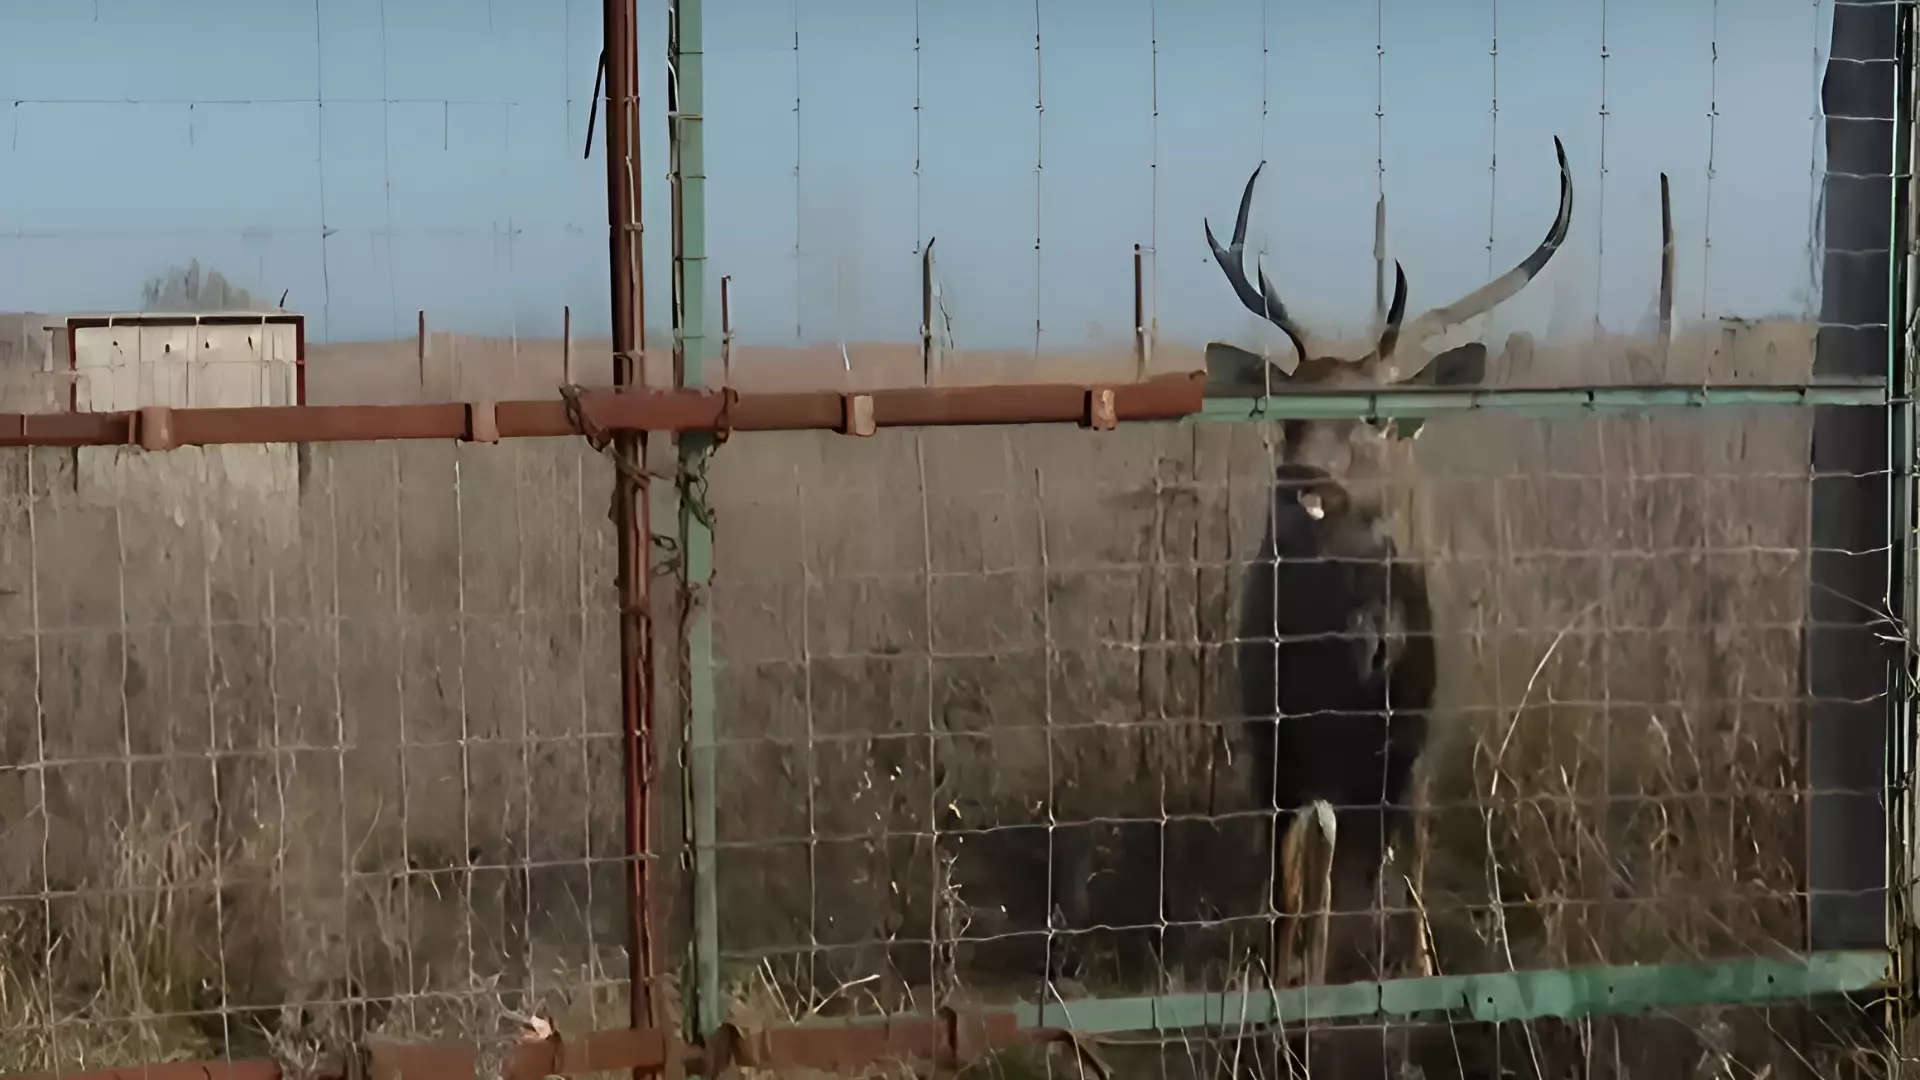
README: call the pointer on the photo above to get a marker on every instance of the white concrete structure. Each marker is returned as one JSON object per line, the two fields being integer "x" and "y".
{"x": 191, "y": 360}
{"x": 187, "y": 361}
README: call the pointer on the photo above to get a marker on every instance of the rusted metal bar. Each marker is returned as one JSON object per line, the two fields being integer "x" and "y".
{"x": 252, "y": 1069}
{"x": 299, "y": 359}
{"x": 631, "y": 499}
{"x": 1666, "y": 273}
{"x": 1139, "y": 315}
{"x": 926, "y": 313}
{"x": 1167, "y": 397}
{"x": 726, "y": 329}
{"x": 949, "y": 1039}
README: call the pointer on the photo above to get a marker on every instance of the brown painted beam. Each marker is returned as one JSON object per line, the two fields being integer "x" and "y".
{"x": 1166, "y": 397}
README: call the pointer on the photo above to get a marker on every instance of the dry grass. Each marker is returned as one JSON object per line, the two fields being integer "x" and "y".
{"x": 1600, "y": 795}
{"x": 1616, "y": 776}
{"x": 303, "y": 767}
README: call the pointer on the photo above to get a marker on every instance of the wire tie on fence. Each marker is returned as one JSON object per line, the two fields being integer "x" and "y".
{"x": 723, "y": 426}
{"x": 577, "y": 416}
{"x": 598, "y": 437}
{"x": 152, "y": 428}
{"x": 693, "y": 489}
{"x": 1102, "y": 414}
{"x": 483, "y": 422}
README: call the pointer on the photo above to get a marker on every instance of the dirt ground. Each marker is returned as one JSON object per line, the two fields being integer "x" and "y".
{"x": 355, "y": 732}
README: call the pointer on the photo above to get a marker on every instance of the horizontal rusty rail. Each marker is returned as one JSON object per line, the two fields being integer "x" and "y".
{"x": 1167, "y": 397}
{"x": 948, "y": 1039}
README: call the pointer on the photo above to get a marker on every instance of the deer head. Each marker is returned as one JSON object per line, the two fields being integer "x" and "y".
{"x": 1346, "y": 448}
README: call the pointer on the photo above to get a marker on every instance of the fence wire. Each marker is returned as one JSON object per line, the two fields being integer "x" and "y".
{"x": 303, "y": 748}
{"x": 980, "y": 738}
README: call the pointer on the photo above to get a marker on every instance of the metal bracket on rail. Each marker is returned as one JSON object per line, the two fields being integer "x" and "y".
{"x": 1101, "y": 414}
{"x": 856, "y": 414}
{"x": 483, "y": 423}
{"x": 152, "y": 428}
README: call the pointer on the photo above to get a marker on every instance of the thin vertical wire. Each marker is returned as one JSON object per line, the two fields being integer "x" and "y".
{"x": 319, "y": 167}
{"x": 354, "y": 992}
{"x": 1046, "y": 720}
{"x": 1600, "y": 194}
{"x": 1270, "y": 911}
{"x": 1606, "y": 431}
{"x": 1158, "y": 584}
{"x": 466, "y": 726}
{"x": 584, "y": 532}
{"x": 386, "y": 170}
{"x": 126, "y": 709}
{"x": 806, "y": 700}
{"x": 1153, "y": 167}
{"x": 1713, "y": 125}
{"x": 1493, "y": 134}
{"x": 799, "y": 215}
{"x": 919, "y": 187}
{"x": 1266, "y": 108}
{"x": 1816, "y": 188}
{"x": 40, "y": 750}
{"x": 1039, "y": 172}
{"x": 400, "y": 722}
{"x": 936, "y": 909}
{"x": 521, "y": 873}
{"x": 1379, "y": 315}
{"x": 274, "y": 715}
{"x": 213, "y": 744}
{"x": 1379, "y": 157}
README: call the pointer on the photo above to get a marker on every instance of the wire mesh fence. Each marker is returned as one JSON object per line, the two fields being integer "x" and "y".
{"x": 288, "y": 770}
{"x": 310, "y": 748}
{"x": 982, "y": 687}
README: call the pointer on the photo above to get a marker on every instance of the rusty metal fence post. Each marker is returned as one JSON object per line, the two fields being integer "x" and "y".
{"x": 631, "y": 494}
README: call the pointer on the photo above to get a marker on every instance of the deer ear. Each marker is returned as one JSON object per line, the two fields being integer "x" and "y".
{"x": 1464, "y": 365}
{"x": 1233, "y": 372}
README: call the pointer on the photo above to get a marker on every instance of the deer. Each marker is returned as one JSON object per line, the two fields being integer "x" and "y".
{"x": 1337, "y": 667}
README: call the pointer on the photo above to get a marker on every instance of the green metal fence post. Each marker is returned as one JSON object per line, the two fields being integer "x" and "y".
{"x": 686, "y": 100}
{"x": 1904, "y": 569}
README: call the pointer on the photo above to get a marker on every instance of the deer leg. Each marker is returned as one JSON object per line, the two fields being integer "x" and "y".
{"x": 1320, "y": 816}
{"x": 1297, "y": 867}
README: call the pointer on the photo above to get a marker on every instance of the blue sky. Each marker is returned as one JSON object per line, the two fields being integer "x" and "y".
{"x": 374, "y": 157}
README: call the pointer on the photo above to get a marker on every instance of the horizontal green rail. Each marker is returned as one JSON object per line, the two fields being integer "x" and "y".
{"x": 1495, "y": 997}
{"x": 1547, "y": 402}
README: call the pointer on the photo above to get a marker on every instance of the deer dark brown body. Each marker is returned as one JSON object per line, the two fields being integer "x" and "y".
{"x": 1336, "y": 657}
{"x": 1336, "y": 663}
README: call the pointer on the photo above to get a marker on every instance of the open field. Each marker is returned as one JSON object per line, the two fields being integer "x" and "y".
{"x": 359, "y": 736}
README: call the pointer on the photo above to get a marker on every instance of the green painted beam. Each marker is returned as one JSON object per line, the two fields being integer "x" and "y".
{"x": 1524, "y": 995}
{"x": 1539, "y": 403}
{"x": 688, "y": 61}
{"x": 1494, "y": 997}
